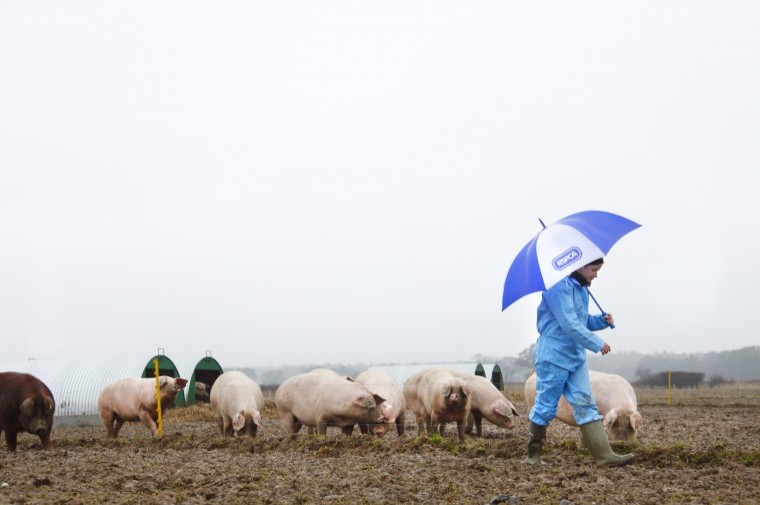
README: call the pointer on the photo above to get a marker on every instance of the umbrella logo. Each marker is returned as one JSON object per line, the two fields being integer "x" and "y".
{"x": 567, "y": 258}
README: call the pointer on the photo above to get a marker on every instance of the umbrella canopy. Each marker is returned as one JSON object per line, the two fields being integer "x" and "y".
{"x": 560, "y": 249}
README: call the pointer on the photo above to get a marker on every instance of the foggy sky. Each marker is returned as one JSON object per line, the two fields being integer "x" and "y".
{"x": 295, "y": 182}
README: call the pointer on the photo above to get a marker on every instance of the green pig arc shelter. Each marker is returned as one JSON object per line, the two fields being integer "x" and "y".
{"x": 206, "y": 370}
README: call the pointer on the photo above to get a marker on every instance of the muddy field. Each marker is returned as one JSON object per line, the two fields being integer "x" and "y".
{"x": 703, "y": 448}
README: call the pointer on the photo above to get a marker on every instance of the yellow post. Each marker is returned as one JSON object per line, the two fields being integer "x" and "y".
{"x": 668, "y": 388}
{"x": 158, "y": 400}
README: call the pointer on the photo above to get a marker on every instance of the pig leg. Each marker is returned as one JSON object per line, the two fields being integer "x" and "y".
{"x": 291, "y": 424}
{"x": 10, "y": 439}
{"x": 347, "y": 430}
{"x": 478, "y": 424}
{"x": 251, "y": 429}
{"x": 322, "y": 427}
{"x": 363, "y": 428}
{"x": 470, "y": 424}
{"x": 45, "y": 439}
{"x": 148, "y": 421}
{"x": 113, "y": 423}
{"x": 118, "y": 423}
{"x": 434, "y": 424}
{"x": 461, "y": 424}
{"x": 423, "y": 423}
{"x": 226, "y": 426}
{"x": 400, "y": 426}
{"x": 108, "y": 419}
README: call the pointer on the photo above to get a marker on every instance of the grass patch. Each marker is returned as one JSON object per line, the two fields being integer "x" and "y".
{"x": 445, "y": 443}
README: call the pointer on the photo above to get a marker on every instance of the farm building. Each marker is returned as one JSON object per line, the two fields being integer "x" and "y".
{"x": 489, "y": 371}
{"x": 76, "y": 383}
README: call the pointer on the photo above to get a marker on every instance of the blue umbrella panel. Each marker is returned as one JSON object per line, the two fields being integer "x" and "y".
{"x": 561, "y": 248}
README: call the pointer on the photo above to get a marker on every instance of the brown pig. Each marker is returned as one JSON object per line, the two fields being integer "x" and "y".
{"x": 236, "y": 402}
{"x": 134, "y": 400}
{"x": 322, "y": 398}
{"x": 26, "y": 404}
{"x": 487, "y": 402}
{"x": 436, "y": 397}
{"x": 382, "y": 383}
{"x": 615, "y": 399}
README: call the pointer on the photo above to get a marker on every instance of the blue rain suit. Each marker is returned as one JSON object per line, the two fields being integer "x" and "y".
{"x": 565, "y": 332}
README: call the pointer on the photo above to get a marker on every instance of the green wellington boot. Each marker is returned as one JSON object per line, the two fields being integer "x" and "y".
{"x": 535, "y": 443}
{"x": 596, "y": 440}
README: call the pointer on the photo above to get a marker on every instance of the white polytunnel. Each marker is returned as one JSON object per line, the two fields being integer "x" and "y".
{"x": 76, "y": 383}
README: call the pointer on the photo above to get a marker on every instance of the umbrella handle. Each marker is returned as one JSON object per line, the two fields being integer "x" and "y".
{"x": 612, "y": 326}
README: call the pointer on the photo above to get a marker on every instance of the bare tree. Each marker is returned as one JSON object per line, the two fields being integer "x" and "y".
{"x": 526, "y": 360}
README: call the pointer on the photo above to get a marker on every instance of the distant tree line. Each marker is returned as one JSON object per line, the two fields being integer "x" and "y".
{"x": 724, "y": 366}
{"x": 720, "y": 367}
{"x": 674, "y": 379}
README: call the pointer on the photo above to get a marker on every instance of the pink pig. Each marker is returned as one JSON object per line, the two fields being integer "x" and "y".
{"x": 236, "y": 402}
{"x": 615, "y": 400}
{"x": 133, "y": 400}
{"x": 322, "y": 398}
{"x": 436, "y": 397}
{"x": 487, "y": 402}
{"x": 382, "y": 383}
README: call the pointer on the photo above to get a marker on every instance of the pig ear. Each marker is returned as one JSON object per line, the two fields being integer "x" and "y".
{"x": 465, "y": 389}
{"x": 238, "y": 421}
{"x": 256, "y": 418}
{"x": 378, "y": 399}
{"x": 180, "y": 383}
{"x": 49, "y": 404}
{"x": 365, "y": 401}
{"x": 27, "y": 407}
{"x": 514, "y": 410}
{"x": 637, "y": 421}
{"x": 503, "y": 408}
{"x": 446, "y": 389}
{"x": 162, "y": 381}
{"x": 610, "y": 418}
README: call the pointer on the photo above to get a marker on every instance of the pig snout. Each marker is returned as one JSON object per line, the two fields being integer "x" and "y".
{"x": 622, "y": 431}
{"x": 38, "y": 426}
{"x": 506, "y": 411}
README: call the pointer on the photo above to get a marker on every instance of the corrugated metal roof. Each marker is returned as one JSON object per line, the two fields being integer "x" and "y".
{"x": 76, "y": 384}
{"x": 402, "y": 372}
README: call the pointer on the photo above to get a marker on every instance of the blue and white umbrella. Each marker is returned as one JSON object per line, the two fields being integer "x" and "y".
{"x": 560, "y": 249}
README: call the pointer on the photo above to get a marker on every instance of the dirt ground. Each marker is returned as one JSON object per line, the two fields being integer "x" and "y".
{"x": 704, "y": 448}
